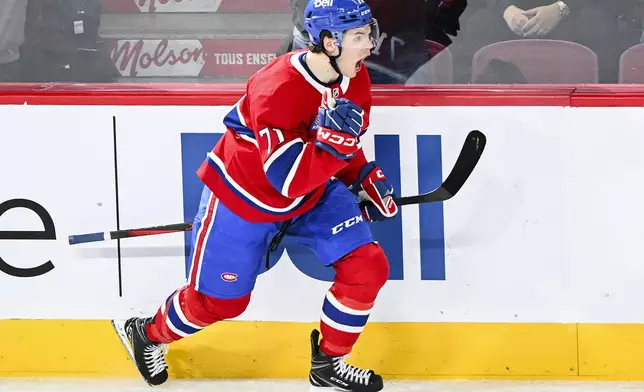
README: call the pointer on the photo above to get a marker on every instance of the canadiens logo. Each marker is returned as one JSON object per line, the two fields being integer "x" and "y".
{"x": 229, "y": 277}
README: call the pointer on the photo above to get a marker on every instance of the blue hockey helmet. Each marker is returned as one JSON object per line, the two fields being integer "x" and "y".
{"x": 337, "y": 16}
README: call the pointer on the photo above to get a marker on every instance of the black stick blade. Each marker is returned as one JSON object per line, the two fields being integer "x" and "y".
{"x": 466, "y": 162}
{"x": 464, "y": 166}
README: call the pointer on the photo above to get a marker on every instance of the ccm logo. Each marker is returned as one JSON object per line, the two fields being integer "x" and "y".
{"x": 229, "y": 277}
{"x": 337, "y": 139}
{"x": 346, "y": 224}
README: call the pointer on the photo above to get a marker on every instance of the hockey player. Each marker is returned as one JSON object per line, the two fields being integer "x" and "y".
{"x": 290, "y": 164}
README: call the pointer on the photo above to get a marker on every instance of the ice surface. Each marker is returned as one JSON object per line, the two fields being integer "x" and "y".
{"x": 134, "y": 385}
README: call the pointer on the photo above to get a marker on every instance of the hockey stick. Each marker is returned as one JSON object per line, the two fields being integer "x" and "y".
{"x": 465, "y": 164}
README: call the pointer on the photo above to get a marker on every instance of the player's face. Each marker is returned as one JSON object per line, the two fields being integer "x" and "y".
{"x": 356, "y": 46}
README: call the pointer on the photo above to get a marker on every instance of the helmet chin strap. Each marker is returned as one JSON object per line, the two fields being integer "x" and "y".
{"x": 333, "y": 60}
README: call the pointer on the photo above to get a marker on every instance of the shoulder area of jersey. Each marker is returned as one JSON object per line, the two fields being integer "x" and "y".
{"x": 279, "y": 65}
{"x": 278, "y": 75}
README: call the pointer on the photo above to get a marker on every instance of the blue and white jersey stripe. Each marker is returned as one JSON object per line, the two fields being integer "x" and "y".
{"x": 281, "y": 166}
{"x": 235, "y": 121}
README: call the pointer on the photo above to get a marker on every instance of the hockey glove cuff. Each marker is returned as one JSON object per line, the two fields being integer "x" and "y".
{"x": 339, "y": 144}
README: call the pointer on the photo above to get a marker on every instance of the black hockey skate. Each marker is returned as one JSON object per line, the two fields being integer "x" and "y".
{"x": 332, "y": 373}
{"x": 148, "y": 356}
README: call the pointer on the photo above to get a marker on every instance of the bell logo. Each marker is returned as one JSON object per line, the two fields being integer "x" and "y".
{"x": 323, "y": 3}
{"x": 49, "y": 233}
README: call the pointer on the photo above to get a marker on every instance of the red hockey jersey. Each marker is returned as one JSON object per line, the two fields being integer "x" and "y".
{"x": 266, "y": 167}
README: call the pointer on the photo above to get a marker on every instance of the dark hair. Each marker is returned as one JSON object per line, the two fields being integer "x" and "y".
{"x": 319, "y": 48}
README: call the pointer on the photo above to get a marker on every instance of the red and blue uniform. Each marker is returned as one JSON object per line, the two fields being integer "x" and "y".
{"x": 269, "y": 168}
{"x": 290, "y": 165}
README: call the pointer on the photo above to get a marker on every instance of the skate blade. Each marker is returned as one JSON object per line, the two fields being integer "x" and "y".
{"x": 119, "y": 328}
{"x": 326, "y": 389}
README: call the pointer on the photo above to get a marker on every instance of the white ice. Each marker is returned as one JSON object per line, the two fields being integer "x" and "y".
{"x": 132, "y": 385}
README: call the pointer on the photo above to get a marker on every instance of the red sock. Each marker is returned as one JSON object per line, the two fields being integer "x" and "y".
{"x": 359, "y": 277}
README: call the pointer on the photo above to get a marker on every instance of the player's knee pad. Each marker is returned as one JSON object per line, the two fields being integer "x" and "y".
{"x": 209, "y": 309}
{"x": 361, "y": 274}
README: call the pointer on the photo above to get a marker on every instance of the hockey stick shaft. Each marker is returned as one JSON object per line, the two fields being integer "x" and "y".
{"x": 119, "y": 234}
{"x": 465, "y": 164}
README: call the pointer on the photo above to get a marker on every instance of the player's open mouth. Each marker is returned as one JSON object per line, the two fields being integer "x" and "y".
{"x": 358, "y": 65}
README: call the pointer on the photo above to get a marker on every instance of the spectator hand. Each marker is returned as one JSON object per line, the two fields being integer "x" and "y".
{"x": 515, "y": 18}
{"x": 542, "y": 20}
